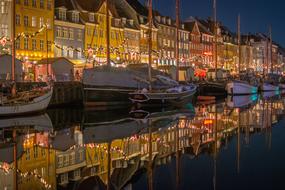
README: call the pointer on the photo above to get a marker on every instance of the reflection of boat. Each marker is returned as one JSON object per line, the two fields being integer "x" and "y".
{"x": 269, "y": 87}
{"x": 174, "y": 96}
{"x": 240, "y": 88}
{"x": 270, "y": 94}
{"x": 217, "y": 89}
{"x": 38, "y": 122}
{"x": 25, "y": 105}
{"x": 241, "y": 101}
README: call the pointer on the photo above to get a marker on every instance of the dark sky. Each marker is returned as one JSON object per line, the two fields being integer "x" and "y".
{"x": 256, "y": 15}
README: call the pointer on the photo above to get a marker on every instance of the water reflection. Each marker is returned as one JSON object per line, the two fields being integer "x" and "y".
{"x": 76, "y": 149}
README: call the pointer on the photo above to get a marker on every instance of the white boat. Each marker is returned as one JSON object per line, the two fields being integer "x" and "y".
{"x": 241, "y": 101}
{"x": 39, "y": 122}
{"x": 269, "y": 87}
{"x": 176, "y": 96}
{"x": 35, "y": 105}
{"x": 240, "y": 88}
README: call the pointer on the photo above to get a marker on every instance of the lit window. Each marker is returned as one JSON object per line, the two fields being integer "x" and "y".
{"x": 42, "y": 2}
{"x": 26, "y": 21}
{"x": 34, "y": 21}
{"x": 34, "y": 44}
{"x": 34, "y": 3}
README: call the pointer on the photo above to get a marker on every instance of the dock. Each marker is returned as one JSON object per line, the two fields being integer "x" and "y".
{"x": 64, "y": 94}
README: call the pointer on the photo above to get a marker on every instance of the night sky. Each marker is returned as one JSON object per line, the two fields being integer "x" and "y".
{"x": 256, "y": 15}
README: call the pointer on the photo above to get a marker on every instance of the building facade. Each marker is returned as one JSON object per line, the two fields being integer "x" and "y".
{"x": 5, "y": 26}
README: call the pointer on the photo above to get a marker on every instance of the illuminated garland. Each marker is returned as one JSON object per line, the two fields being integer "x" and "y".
{"x": 6, "y": 168}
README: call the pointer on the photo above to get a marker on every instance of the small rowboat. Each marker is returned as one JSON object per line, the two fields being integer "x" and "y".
{"x": 26, "y": 105}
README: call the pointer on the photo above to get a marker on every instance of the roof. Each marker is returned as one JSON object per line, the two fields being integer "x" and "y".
{"x": 138, "y": 7}
{"x": 64, "y": 3}
{"x": 52, "y": 60}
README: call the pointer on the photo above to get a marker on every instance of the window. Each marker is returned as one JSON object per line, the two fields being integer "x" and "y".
{"x": 71, "y": 34}
{"x": 41, "y": 45}
{"x": 60, "y": 161}
{"x": 18, "y": 20}
{"x": 66, "y": 160}
{"x": 64, "y": 52}
{"x": 89, "y": 32}
{"x": 34, "y": 44}
{"x": 28, "y": 154}
{"x": 26, "y": 21}
{"x": 42, "y": 2}
{"x": 75, "y": 17}
{"x": 48, "y": 46}
{"x": 26, "y": 2}
{"x": 4, "y": 30}
{"x": 48, "y": 23}
{"x": 101, "y": 34}
{"x": 70, "y": 53}
{"x": 65, "y": 33}
{"x": 91, "y": 17}
{"x": 4, "y": 7}
{"x": 62, "y": 15}
{"x": 34, "y": 21}
{"x": 34, "y": 3}
{"x": 49, "y": 4}
{"x": 18, "y": 2}
{"x": 79, "y": 53}
{"x": 81, "y": 156}
{"x": 41, "y": 22}
{"x": 26, "y": 43}
{"x": 72, "y": 158}
{"x": 79, "y": 35}
{"x": 58, "y": 32}
{"x": 35, "y": 151}
{"x": 17, "y": 44}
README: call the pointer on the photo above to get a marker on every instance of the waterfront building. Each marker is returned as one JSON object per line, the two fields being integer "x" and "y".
{"x": 5, "y": 26}
{"x": 141, "y": 14}
{"x": 35, "y": 19}
{"x": 166, "y": 40}
{"x": 69, "y": 33}
{"x": 247, "y": 50}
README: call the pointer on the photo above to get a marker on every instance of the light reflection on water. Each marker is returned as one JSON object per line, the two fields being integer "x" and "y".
{"x": 233, "y": 144}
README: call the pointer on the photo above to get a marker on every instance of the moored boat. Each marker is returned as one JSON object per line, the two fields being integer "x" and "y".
{"x": 241, "y": 101}
{"x": 28, "y": 104}
{"x": 240, "y": 88}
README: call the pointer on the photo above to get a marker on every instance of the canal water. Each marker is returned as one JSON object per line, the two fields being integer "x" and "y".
{"x": 235, "y": 143}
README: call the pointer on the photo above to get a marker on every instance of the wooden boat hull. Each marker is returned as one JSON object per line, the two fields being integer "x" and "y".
{"x": 269, "y": 87}
{"x": 105, "y": 97}
{"x": 212, "y": 89}
{"x": 38, "y": 105}
{"x": 240, "y": 88}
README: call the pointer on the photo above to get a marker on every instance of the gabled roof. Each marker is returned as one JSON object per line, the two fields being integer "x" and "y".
{"x": 138, "y": 7}
{"x": 64, "y": 3}
{"x": 52, "y": 60}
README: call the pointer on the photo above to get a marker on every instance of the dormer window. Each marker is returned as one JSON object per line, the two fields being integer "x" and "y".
{"x": 117, "y": 22}
{"x": 124, "y": 21}
{"x": 182, "y": 26}
{"x": 158, "y": 18}
{"x": 131, "y": 22}
{"x": 141, "y": 19}
{"x": 75, "y": 17}
{"x": 62, "y": 14}
{"x": 91, "y": 17}
{"x": 163, "y": 20}
{"x": 169, "y": 21}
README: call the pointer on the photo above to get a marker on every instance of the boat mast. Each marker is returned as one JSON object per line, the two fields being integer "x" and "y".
{"x": 271, "y": 62}
{"x": 108, "y": 34}
{"x": 150, "y": 21}
{"x": 177, "y": 39}
{"x": 13, "y": 48}
{"x": 239, "y": 46}
{"x": 215, "y": 38}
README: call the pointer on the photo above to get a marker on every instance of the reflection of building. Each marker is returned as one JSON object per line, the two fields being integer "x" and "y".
{"x": 39, "y": 160}
{"x": 69, "y": 155}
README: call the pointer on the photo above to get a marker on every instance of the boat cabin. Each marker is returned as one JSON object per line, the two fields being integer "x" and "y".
{"x": 6, "y": 68}
{"x": 61, "y": 69}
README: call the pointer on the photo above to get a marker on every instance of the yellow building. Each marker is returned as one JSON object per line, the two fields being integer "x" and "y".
{"x": 38, "y": 160}
{"x": 31, "y": 18}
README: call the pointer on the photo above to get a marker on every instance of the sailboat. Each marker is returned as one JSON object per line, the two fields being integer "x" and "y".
{"x": 107, "y": 86}
{"x": 267, "y": 85}
{"x": 214, "y": 88}
{"x": 239, "y": 87}
{"x": 22, "y": 103}
{"x": 178, "y": 95}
